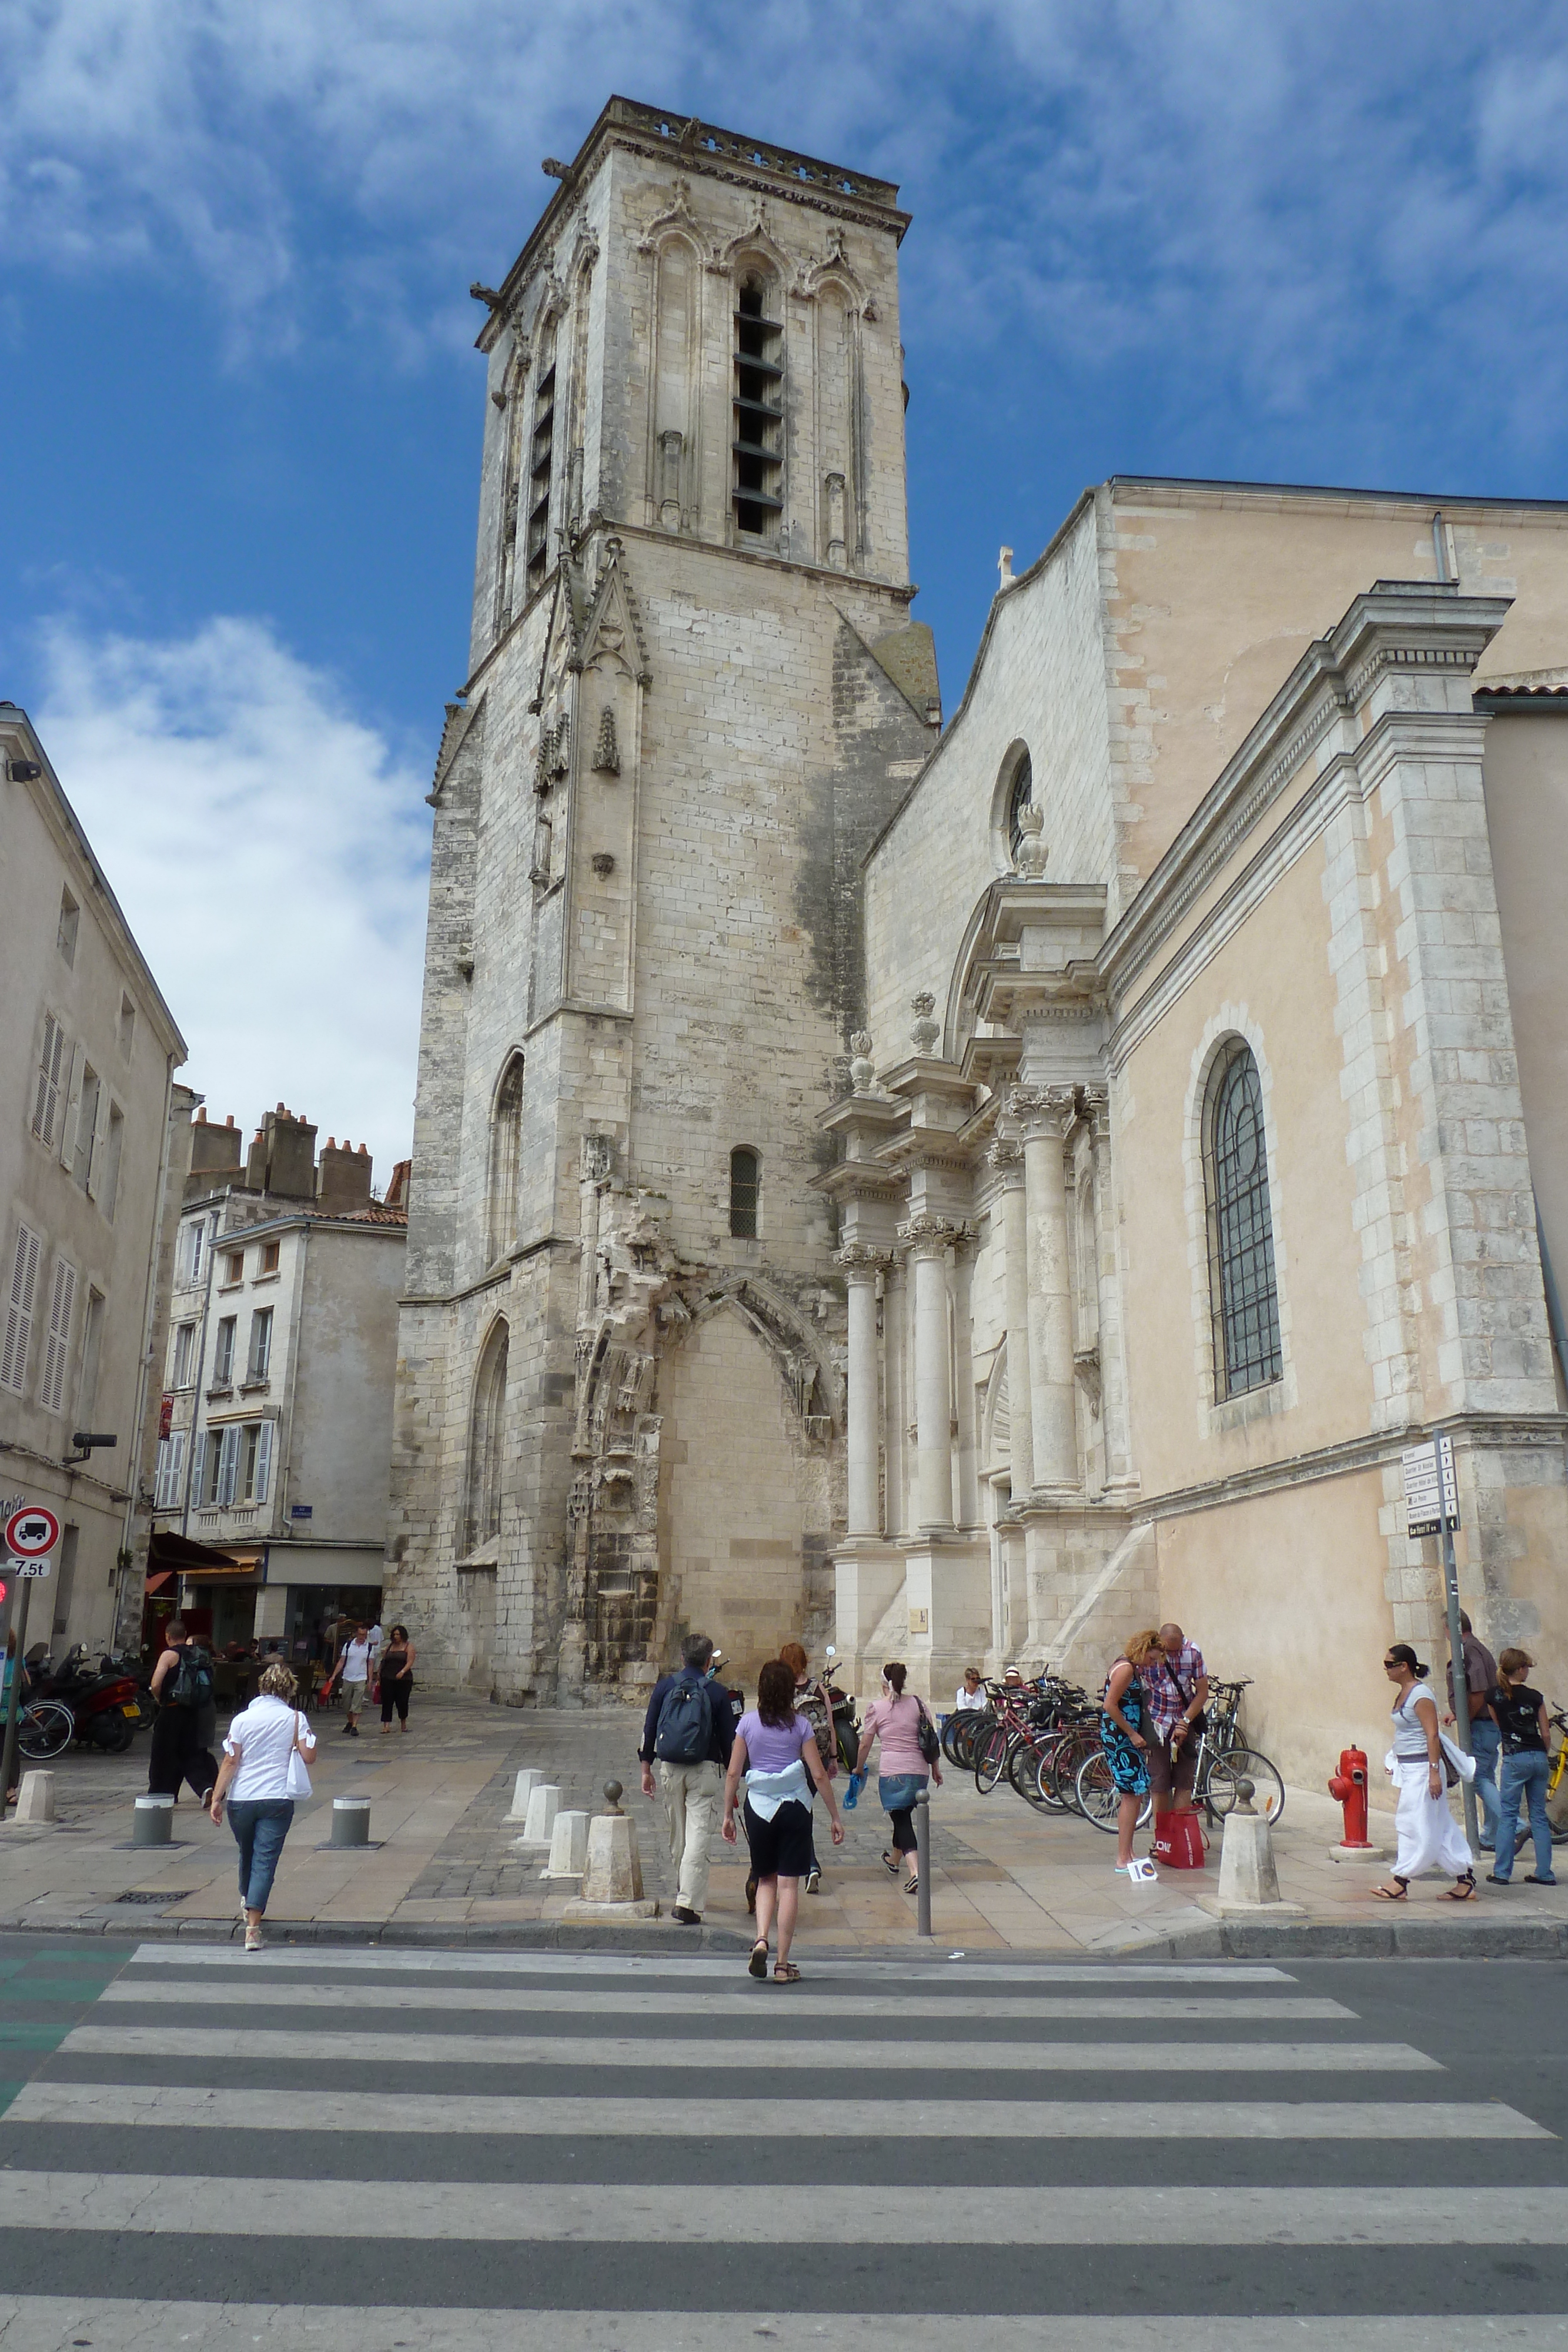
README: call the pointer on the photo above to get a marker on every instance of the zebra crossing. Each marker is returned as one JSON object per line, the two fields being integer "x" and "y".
{"x": 402, "y": 2152}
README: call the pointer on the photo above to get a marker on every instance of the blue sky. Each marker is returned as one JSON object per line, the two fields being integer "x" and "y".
{"x": 240, "y": 408}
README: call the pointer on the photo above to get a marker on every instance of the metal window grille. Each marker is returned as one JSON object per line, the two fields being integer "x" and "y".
{"x": 743, "y": 1192}
{"x": 1243, "y": 1297}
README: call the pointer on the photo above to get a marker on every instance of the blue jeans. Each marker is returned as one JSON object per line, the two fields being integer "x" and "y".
{"x": 260, "y": 1825}
{"x": 1486, "y": 1746}
{"x": 1524, "y": 1775}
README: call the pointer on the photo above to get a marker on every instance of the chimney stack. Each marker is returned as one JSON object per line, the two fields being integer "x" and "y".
{"x": 343, "y": 1178}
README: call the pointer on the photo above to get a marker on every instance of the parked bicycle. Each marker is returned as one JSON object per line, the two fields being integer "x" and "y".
{"x": 1223, "y": 1761}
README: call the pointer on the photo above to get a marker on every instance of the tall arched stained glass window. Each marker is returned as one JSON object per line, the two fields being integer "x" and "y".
{"x": 1243, "y": 1298}
{"x": 506, "y": 1159}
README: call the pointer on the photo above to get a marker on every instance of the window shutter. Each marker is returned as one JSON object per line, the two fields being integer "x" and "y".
{"x": 68, "y": 1134}
{"x": 19, "y": 1331}
{"x": 199, "y": 1466}
{"x": 228, "y": 1463}
{"x": 46, "y": 1103}
{"x": 62, "y": 1299}
{"x": 95, "y": 1170}
{"x": 262, "y": 1462}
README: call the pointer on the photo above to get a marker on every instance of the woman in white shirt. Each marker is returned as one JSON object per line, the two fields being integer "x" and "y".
{"x": 254, "y": 1778}
{"x": 1429, "y": 1837}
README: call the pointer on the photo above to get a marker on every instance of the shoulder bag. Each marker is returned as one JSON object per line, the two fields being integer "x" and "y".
{"x": 926, "y": 1734}
{"x": 297, "y": 1780}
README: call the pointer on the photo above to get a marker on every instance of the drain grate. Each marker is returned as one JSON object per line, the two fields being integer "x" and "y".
{"x": 148, "y": 1895}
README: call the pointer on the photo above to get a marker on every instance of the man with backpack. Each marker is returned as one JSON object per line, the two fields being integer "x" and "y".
{"x": 185, "y": 1688}
{"x": 688, "y": 1731}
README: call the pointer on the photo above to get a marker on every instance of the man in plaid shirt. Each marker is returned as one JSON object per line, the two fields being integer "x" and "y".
{"x": 1176, "y": 1683}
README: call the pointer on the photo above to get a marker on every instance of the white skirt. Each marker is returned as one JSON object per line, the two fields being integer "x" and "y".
{"x": 1429, "y": 1836}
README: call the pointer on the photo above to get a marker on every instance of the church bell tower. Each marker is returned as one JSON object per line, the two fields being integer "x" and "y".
{"x": 695, "y": 697}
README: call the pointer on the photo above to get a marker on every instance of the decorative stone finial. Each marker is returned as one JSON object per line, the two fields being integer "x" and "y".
{"x": 607, "y": 754}
{"x": 1029, "y": 857}
{"x": 925, "y": 1031}
{"x": 1005, "y": 566}
{"x": 613, "y": 1796}
{"x": 863, "y": 1070}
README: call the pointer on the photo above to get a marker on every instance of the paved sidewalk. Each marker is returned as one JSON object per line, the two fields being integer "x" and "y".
{"x": 446, "y": 1866}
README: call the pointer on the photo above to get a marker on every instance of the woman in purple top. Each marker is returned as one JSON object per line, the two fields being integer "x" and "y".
{"x": 774, "y": 1747}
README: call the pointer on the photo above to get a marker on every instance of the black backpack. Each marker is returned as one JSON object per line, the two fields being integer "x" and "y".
{"x": 191, "y": 1683}
{"x": 684, "y": 1733}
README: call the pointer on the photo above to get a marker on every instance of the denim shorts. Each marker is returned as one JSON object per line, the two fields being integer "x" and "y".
{"x": 898, "y": 1790}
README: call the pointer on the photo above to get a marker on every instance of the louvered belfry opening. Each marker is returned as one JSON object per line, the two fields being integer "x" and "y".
{"x": 758, "y": 444}
{"x": 541, "y": 452}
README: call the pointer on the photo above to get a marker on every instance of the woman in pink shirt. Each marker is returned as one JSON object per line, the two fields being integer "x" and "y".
{"x": 894, "y": 1719}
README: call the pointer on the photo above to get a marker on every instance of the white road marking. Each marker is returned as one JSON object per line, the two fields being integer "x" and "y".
{"x": 55, "y": 2323}
{"x": 417, "y": 2211}
{"x": 111, "y": 2105}
{"x": 322, "y": 1957}
{"x": 905, "y": 2057}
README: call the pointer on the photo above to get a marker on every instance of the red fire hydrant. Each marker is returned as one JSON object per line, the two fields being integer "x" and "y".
{"x": 1349, "y": 1786}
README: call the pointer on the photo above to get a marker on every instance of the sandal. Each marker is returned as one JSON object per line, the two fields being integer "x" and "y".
{"x": 1463, "y": 1890}
{"x": 786, "y": 1972}
{"x": 1395, "y": 1893}
{"x": 756, "y": 1965}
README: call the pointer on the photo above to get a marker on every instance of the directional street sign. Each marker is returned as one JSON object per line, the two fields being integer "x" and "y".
{"x": 32, "y": 1532}
{"x": 1431, "y": 1489}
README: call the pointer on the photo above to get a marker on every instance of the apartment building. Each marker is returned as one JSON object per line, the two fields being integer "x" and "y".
{"x": 87, "y": 1055}
{"x": 274, "y": 1416}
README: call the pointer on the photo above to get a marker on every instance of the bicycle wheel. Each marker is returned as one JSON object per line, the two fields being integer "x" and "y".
{"x": 1024, "y": 1761}
{"x": 44, "y": 1730}
{"x": 1097, "y": 1797}
{"x": 1066, "y": 1762}
{"x": 1046, "y": 1796}
{"x": 953, "y": 1736}
{"x": 991, "y": 1757}
{"x": 1219, "y": 1791}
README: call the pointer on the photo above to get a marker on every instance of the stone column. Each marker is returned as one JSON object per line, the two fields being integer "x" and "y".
{"x": 1043, "y": 1115}
{"x": 1007, "y": 1159}
{"x": 1114, "y": 1421}
{"x": 927, "y": 1239}
{"x": 593, "y": 1171}
{"x": 861, "y": 1266}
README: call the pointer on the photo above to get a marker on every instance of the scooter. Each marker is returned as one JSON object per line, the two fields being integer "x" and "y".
{"x": 105, "y": 1701}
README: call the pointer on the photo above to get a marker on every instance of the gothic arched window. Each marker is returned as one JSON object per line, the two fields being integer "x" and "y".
{"x": 506, "y": 1159}
{"x": 1243, "y": 1300}
{"x": 487, "y": 1438}
{"x": 757, "y": 439}
{"x": 1020, "y": 793}
{"x": 745, "y": 1181}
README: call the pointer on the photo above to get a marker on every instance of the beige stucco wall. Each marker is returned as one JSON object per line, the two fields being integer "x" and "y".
{"x": 1271, "y": 983}
{"x": 1525, "y": 774}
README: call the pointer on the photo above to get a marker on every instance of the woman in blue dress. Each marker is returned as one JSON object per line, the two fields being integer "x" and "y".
{"x": 1125, "y": 1738}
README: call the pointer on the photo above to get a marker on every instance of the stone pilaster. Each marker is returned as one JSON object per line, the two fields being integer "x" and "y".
{"x": 1006, "y": 1161}
{"x": 861, "y": 1268}
{"x": 928, "y": 1240}
{"x": 1043, "y": 1115}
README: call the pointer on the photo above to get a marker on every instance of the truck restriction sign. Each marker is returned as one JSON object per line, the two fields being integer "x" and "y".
{"x": 33, "y": 1531}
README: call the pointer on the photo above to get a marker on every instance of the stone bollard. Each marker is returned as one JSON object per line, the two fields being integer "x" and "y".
{"x": 152, "y": 1821}
{"x": 36, "y": 1797}
{"x": 1249, "y": 1882}
{"x": 612, "y": 1873}
{"x": 522, "y": 1790}
{"x": 567, "y": 1848}
{"x": 350, "y": 1821}
{"x": 544, "y": 1804}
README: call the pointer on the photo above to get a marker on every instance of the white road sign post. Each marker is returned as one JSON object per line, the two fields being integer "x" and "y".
{"x": 32, "y": 1532}
{"x": 1432, "y": 1508}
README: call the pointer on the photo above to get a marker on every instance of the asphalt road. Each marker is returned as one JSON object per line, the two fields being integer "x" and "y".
{"x": 406, "y": 2151}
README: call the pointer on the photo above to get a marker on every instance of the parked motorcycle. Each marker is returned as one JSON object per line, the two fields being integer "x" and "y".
{"x": 105, "y": 1700}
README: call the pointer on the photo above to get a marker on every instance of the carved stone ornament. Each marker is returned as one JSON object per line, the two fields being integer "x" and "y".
{"x": 598, "y": 1158}
{"x": 1004, "y": 1154}
{"x": 1043, "y": 1110}
{"x": 863, "y": 1070}
{"x": 860, "y": 1258}
{"x": 606, "y": 751}
{"x": 1029, "y": 857}
{"x": 928, "y": 1235}
{"x": 924, "y": 1030}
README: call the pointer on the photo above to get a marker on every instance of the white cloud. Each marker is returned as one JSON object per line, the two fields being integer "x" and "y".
{"x": 270, "y": 852}
{"x": 1282, "y": 193}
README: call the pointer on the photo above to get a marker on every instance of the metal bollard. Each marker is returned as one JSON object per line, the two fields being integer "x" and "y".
{"x": 350, "y": 1821}
{"x": 152, "y": 1821}
{"x": 923, "y": 1860}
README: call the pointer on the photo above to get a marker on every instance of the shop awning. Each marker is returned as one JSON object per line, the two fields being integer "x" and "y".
{"x": 183, "y": 1554}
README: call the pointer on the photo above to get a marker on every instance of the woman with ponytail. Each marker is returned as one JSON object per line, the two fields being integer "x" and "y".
{"x": 894, "y": 1719}
{"x": 1429, "y": 1837}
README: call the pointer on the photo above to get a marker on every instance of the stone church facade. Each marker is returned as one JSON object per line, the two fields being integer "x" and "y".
{"x": 965, "y": 1191}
